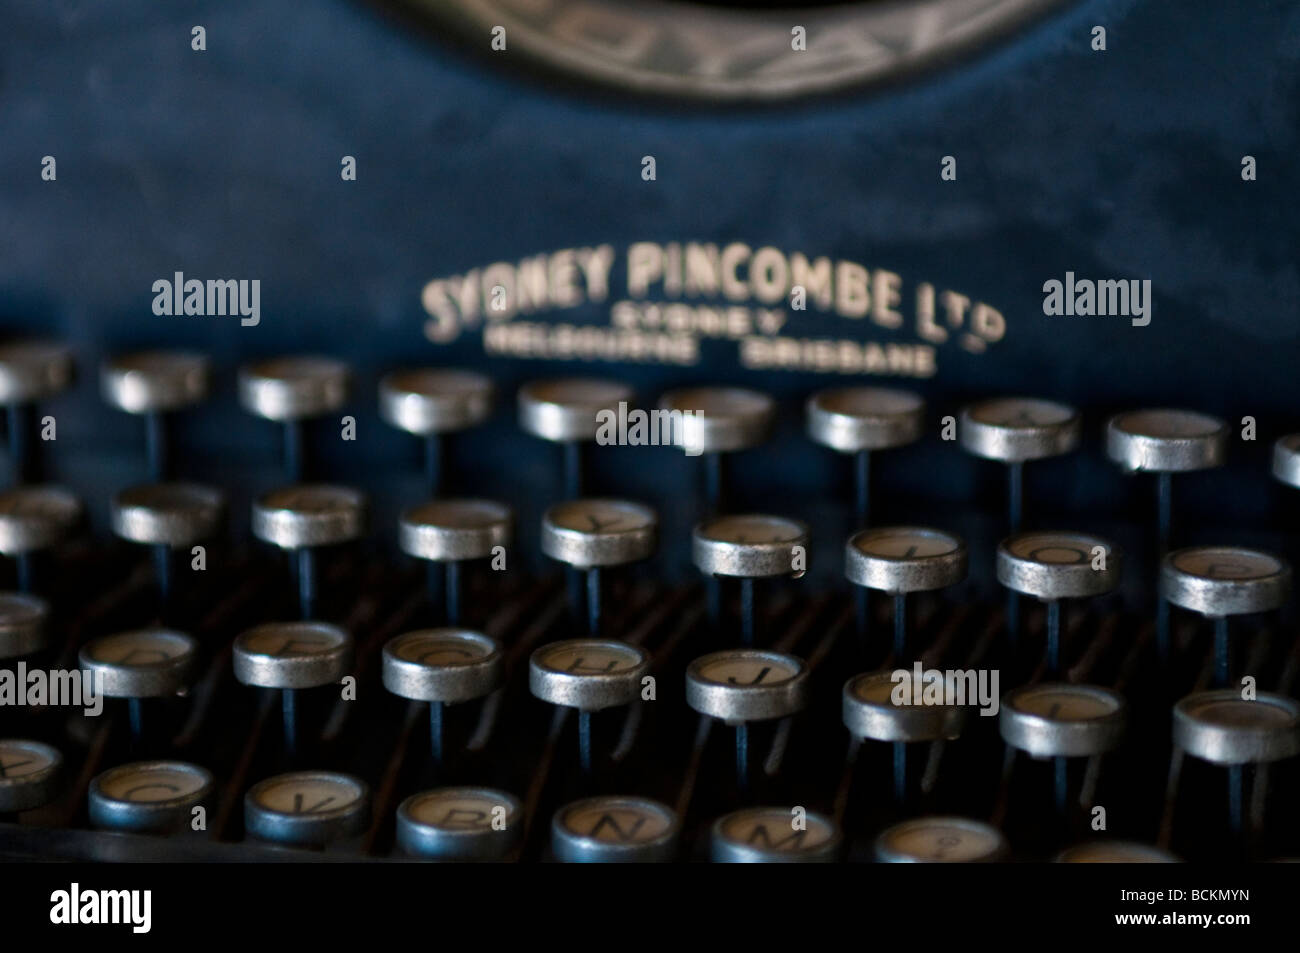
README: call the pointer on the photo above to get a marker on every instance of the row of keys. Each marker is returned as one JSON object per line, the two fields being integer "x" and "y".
{"x": 590, "y": 534}
{"x": 432, "y": 402}
{"x": 315, "y": 809}
{"x": 736, "y": 686}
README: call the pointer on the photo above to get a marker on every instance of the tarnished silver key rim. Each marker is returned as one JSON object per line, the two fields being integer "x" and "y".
{"x": 566, "y": 409}
{"x": 435, "y": 399}
{"x": 1225, "y": 580}
{"x": 1286, "y": 459}
{"x": 1058, "y": 565}
{"x": 1166, "y": 441}
{"x": 1115, "y": 852}
{"x": 292, "y": 655}
{"x": 851, "y": 419}
{"x": 719, "y": 419}
{"x": 739, "y": 685}
{"x": 941, "y": 840}
{"x": 36, "y": 517}
{"x": 460, "y": 823}
{"x": 31, "y": 370}
{"x": 293, "y": 388}
{"x": 750, "y": 545}
{"x": 615, "y": 829}
{"x": 23, "y": 620}
{"x": 157, "y": 797}
{"x": 869, "y": 711}
{"x": 599, "y": 532}
{"x": 450, "y": 530}
{"x": 1222, "y": 727}
{"x": 144, "y": 663}
{"x": 30, "y": 774}
{"x": 1057, "y": 719}
{"x": 1016, "y": 429}
{"x": 774, "y": 835}
{"x": 153, "y": 381}
{"x": 170, "y": 514}
{"x": 442, "y": 665}
{"x": 309, "y": 514}
{"x": 307, "y": 808}
{"x": 904, "y": 559}
{"x": 588, "y": 674}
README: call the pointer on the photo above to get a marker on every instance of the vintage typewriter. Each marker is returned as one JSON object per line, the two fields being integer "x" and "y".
{"x": 594, "y": 431}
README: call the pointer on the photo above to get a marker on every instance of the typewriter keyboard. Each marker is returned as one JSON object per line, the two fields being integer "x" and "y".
{"x": 508, "y": 650}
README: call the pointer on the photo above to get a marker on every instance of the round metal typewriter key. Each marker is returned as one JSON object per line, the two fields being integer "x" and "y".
{"x": 448, "y": 532}
{"x": 145, "y": 663}
{"x": 148, "y": 382}
{"x": 167, "y": 516}
{"x": 29, "y": 371}
{"x": 613, "y": 830}
{"x": 33, "y": 370}
{"x": 1061, "y": 721}
{"x": 859, "y": 420}
{"x": 1166, "y": 441}
{"x": 1017, "y": 429}
{"x": 590, "y": 534}
{"x": 33, "y": 518}
{"x": 774, "y": 835}
{"x": 154, "y": 384}
{"x": 1054, "y": 566}
{"x": 29, "y": 774}
{"x": 1220, "y": 581}
{"x": 431, "y": 402}
{"x": 290, "y": 390}
{"x": 455, "y": 530}
{"x": 307, "y": 808}
{"x": 749, "y": 547}
{"x": 1286, "y": 459}
{"x": 442, "y": 666}
{"x": 589, "y": 675}
{"x": 743, "y": 685}
{"x": 467, "y": 824}
{"x": 718, "y": 420}
{"x": 566, "y": 411}
{"x": 740, "y": 685}
{"x": 1055, "y": 719}
{"x": 305, "y": 516}
{"x": 941, "y": 840}
{"x": 869, "y": 711}
{"x": 22, "y": 624}
{"x": 1115, "y": 852}
{"x": 149, "y": 797}
{"x": 292, "y": 656}
{"x": 899, "y": 560}
{"x": 1223, "y": 728}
